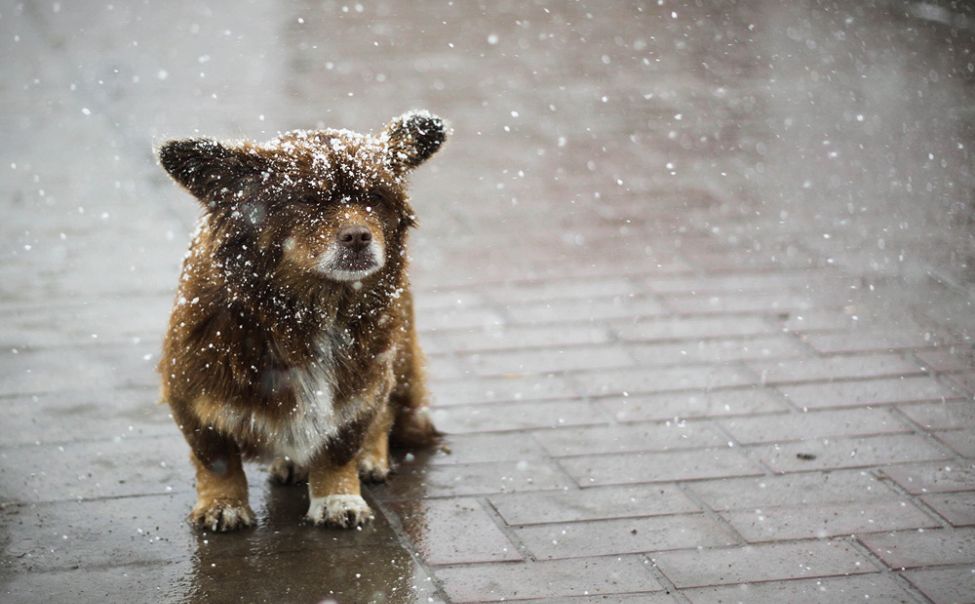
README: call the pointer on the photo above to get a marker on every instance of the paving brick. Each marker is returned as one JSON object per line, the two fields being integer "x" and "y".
{"x": 693, "y": 328}
{"x": 856, "y": 588}
{"x": 105, "y": 367}
{"x": 847, "y": 452}
{"x": 949, "y": 358}
{"x": 933, "y": 477}
{"x": 943, "y": 415}
{"x": 867, "y": 392}
{"x": 556, "y": 578}
{"x": 960, "y": 441}
{"x": 811, "y": 489}
{"x": 624, "y": 536}
{"x": 490, "y": 390}
{"x": 717, "y": 351}
{"x": 658, "y": 467}
{"x": 866, "y": 341}
{"x": 638, "y": 381}
{"x": 457, "y": 318}
{"x": 816, "y": 424}
{"x": 769, "y": 562}
{"x": 964, "y": 381}
{"x": 592, "y": 504}
{"x": 628, "y": 438}
{"x": 832, "y": 368}
{"x": 97, "y": 469}
{"x": 945, "y": 585}
{"x": 733, "y": 283}
{"x": 508, "y": 337}
{"x": 517, "y": 416}
{"x": 547, "y": 360}
{"x": 956, "y": 508}
{"x": 911, "y": 549}
{"x": 714, "y": 403}
{"x": 519, "y": 293}
{"x": 756, "y": 302}
{"x": 827, "y": 520}
{"x": 482, "y": 447}
{"x": 813, "y": 320}
{"x": 585, "y": 310}
{"x": 433, "y": 526}
{"x": 413, "y": 481}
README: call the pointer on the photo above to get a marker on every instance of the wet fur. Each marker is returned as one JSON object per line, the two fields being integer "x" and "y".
{"x": 267, "y": 357}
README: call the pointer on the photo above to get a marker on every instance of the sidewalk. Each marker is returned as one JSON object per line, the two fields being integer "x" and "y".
{"x": 695, "y": 287}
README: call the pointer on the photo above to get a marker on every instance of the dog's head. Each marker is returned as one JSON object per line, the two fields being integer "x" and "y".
{"x": 327, "y": 203}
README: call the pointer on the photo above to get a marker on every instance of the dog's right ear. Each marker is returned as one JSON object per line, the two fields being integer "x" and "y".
{"x": 211, "y": 171}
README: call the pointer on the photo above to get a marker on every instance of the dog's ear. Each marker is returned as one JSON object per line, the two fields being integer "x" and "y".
{"x": 411, "y": 139}
{"x": 211, "y": 171}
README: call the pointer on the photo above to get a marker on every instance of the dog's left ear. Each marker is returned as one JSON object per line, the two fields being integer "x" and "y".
{"x": 211, "y": 171}
{"x": 411, "y": 139}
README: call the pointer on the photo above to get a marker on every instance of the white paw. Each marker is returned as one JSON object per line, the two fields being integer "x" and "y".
{"x": 222, "y": 516}
{"x": 342, "y": 511}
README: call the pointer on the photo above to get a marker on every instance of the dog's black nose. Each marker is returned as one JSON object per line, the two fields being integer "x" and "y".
{"x": 355, "y": 237}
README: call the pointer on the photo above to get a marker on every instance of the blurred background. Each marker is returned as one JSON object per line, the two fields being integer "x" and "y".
{"x": 628, "y": 186}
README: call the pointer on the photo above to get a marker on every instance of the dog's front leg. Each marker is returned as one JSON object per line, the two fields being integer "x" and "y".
{"x": 334, "y": 493}
{"x": 221, "y": 492}
{"x": 335, "y": 498}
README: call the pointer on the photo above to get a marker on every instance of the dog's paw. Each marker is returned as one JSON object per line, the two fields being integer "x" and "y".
{"x": 341, "y": 511}
{"x": 222, "y": 515}
{"x": 374, "y": 469}
{"x": 285, "y": 471}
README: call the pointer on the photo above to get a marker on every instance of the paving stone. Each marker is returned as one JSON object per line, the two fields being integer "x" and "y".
{"x": 847, "y": 452}
{"x": 867, "y": 392}
{"x": 826, "y": 520}
{"x": 641, "y": 381}
{"x": 911, "y": 549}
{"x": 733, "y": 283}
{"x": 597, "y": 503}
{"x": 768, "y": 562}
{"x": 658, "y": 467}
{"x": 960, "y": 441}
{"x": 413, "y": 481}
{"x": 856, "y": 588}
{"x": 693, "y": 328}
{"x": 859, "y": 341}
{"x": 482, "y": 447}
{"x": 757, "y": 302}
{"x": 943, "y": 415}
{"x": 956, "y": 508}
{"x": 434, "y": 525}
{"x": 628, "y": 438}
{"x": 517, "y": 416}
{"x": 819, "y": 319}
{"x": 548, "y": 360}
{"x": 933, "y": 477}
{"x": 945, "y": 585}
{"x": 833, "y": 368}
{"x": 555, "y": 578}
{"x": 585, "y": 310}
{"x": 948, "y": 358}
{"x": 587, "y": 289}
{"x": 457, "y": 318}
{"x": 816, "y": 424}
{"x": 714, "y": 403}
{"x": 717, "y": 351}
{"x": 811, "y": 489}
{"x": 624, "y": 536}
{"x": 84, "y": 415}
{"x": 489, "y": 390}
{"x": 508, "y": 337}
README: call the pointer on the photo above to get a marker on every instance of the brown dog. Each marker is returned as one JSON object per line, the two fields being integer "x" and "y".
{"x": 292, "y": 335}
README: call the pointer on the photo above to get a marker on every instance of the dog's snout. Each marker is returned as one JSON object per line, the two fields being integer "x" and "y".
{"x": 354, "y": 237}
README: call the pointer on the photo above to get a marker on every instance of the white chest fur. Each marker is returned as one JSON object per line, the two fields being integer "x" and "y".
{"x": 314, "y": 419}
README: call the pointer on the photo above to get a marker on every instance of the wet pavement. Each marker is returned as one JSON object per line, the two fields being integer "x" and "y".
{"x": 695, "y": 285}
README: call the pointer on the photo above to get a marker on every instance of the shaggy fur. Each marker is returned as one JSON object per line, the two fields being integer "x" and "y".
{"x": 292, "y": 335}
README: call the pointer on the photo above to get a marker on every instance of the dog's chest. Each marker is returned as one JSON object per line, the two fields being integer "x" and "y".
{"x": 314, "y": 417}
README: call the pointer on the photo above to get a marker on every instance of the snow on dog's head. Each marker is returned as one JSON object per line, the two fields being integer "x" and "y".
{"x": 330, "y": 204}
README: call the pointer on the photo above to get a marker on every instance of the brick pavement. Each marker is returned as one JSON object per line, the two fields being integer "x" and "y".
{"x": 694, "y": 285}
